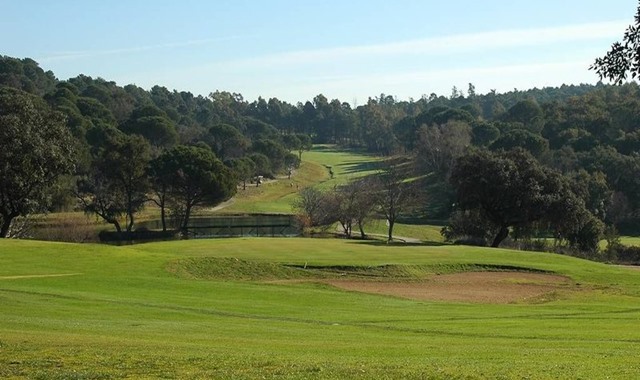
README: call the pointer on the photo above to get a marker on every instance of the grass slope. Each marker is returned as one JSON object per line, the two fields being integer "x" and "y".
{"x": 114, "y": 312}
{"x": 277, "y": 196}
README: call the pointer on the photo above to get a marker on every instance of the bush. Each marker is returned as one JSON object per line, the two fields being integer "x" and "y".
{"x": 621, "y": 253}
{"x": 469, "y": 227}
{"x": 628, "y": 255}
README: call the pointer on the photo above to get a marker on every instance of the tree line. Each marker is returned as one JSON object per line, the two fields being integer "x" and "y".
{"x": 584, "y": 136}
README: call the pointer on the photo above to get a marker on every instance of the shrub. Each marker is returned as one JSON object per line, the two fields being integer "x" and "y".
{"x": 469, "y": 227}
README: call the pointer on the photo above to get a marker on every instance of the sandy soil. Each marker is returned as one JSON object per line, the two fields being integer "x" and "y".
{"x": 478, "y": 287}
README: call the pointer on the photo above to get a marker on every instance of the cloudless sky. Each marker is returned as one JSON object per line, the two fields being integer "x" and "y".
{"x": 296, "y": 49}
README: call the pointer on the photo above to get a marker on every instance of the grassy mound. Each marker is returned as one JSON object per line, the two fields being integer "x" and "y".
{"x": 214, "y": 268}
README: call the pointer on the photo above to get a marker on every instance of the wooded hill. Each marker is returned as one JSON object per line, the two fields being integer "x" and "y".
{"x": 589, "y": 133}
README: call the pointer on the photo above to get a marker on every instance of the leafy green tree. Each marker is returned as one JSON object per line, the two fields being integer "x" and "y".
{"x": 623, "y": 58}
{"x": 26, "y": 75}
{"x": 227, "y": 142}
{"x": 305, "y": 144}
{"x": 118, "y": 182}
{"x": 95, "y": 111}
{"x": 99, "y": 195}
{"x": 527, "y": 113}
{"x": 469, "y": 227}
{"x": 405, "y": 131}
{"x": 290, "y": 142}
{"x": 453, "y": 114}
{"x": 594, "y": 190}
{"x": 484, "y": 133}
{"x": 511, "y": 189}
{"x": 570, "y": 221}
{"x": 521, "y": 138}
{"x": 160, "y": 131}
{"x": 258, "y": 129}
{"x": 35, "y": 150}
{"x": 378, "y": 135}
{"x": 261, "y": 164}
{"x": 244, "y": 169}
{"x": 196, "y": 177}
{"x": 272, "y": 150}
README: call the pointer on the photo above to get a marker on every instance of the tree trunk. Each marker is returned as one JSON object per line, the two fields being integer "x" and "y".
{"x": 129, "y": 217}
{"x": 361, "y": 227}
{"x": 185, "y": 221}
{"x": 116, "y": 224}
{"x": 391, "y": 223}
{"x": 6, "y": 225}
{"x": 504, "y": 232}
{"x": 130, "y": 224}
{"x": 163, "y": 217}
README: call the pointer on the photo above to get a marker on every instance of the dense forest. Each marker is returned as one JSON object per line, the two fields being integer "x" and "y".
{"x": 588, "y": 134}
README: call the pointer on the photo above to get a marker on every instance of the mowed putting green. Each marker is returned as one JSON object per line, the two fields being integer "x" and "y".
{"x": 281, "y": 308}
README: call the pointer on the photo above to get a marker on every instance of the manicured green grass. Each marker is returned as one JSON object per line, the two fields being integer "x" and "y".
{"x": 630, "y": 240}
{"x": 278, "y": 196}
{"x": 423, "y": 232}
{"x": 345, "y": 164}
{"x": 166, "y": 310}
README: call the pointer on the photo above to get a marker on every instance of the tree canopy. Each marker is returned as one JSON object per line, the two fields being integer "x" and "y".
{"x": 623, "y": 58}
{"x": 35, "y": 149}
{"x": 193, "y": 176}
{"x": 512, "y": 189}
{"x": 570, "y": 128}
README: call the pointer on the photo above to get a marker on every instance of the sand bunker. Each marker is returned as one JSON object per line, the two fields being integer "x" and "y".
{"x": 478, "y": 287}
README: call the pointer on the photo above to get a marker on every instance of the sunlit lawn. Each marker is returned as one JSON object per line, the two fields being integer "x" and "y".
{"x": 118, "y": 312}
{"x": 278, "y": 196}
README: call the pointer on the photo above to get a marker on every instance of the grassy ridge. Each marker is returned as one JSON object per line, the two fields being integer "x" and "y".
{"x": 121, "y": 312}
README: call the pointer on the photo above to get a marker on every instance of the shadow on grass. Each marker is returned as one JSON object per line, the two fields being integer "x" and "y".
{"x": 421, "y": 221}
{"x": 384, "y": 243}
{"x": 356, "y": 167}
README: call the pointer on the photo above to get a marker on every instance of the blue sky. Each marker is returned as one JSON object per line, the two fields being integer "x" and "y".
{"x": 295, "y": 49}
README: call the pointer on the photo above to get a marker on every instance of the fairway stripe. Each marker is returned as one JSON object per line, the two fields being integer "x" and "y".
{"x": 38, "y": 276}
{"x": 373, "y": 325}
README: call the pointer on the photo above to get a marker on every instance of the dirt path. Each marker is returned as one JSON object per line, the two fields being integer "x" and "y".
{"x": 222, "y": 205}
{"x": 403, "y": 239}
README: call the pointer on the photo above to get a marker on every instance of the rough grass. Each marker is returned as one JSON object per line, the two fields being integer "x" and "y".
{"x": 126, "y": 315}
